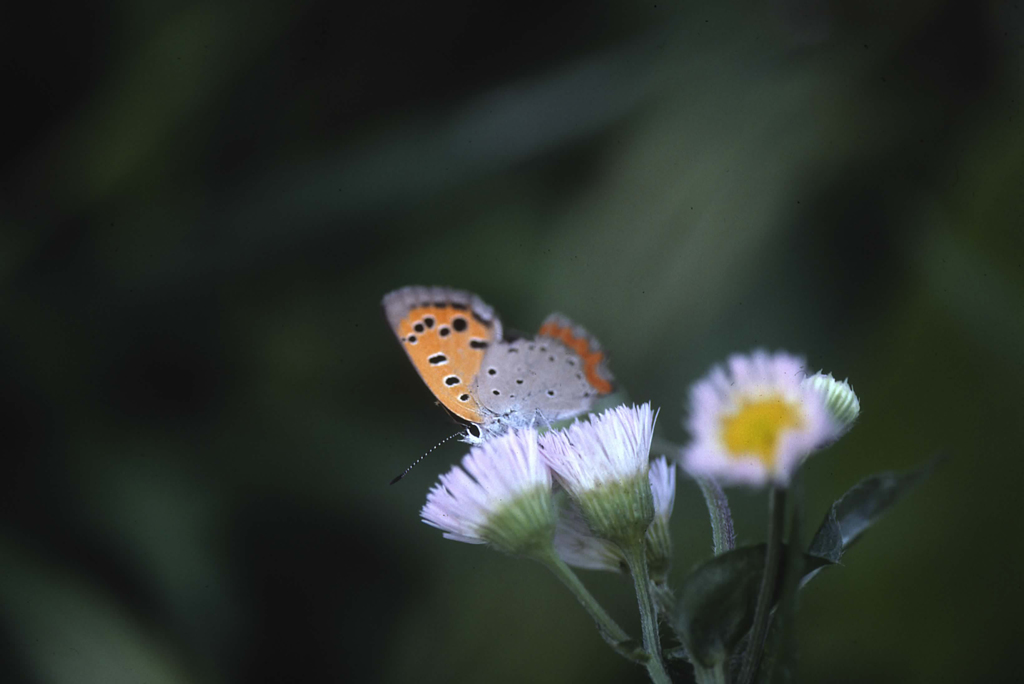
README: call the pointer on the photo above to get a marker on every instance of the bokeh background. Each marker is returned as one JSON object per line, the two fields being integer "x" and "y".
{"x": 201, "y": 205}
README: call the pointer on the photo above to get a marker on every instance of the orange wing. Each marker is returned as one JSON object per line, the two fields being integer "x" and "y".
{"x": 445, "y": 334}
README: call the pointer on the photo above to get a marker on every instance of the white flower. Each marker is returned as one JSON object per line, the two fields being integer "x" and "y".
{"x": 756, "y": 421}
{"x": 602, "y": 464}
{"x": 501, "y": 496}
{"x": 841, "y": 400}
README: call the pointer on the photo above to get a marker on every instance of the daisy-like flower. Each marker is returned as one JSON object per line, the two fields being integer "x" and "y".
{"x": 500, "y": 496}
{"x": 602, "y": 464}
{"x": 755, "y": 421}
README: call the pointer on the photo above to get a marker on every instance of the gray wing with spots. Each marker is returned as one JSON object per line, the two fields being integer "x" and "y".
{"x": 538, "y": 379}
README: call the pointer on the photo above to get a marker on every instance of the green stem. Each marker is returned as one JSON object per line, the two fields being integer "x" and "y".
{"x": 773, "y": 556}
{"x": 712, "y": 675}
{"x": 722, "y": 533}
{"x": 636, "y": 559}
{"x": 609, "y": 629}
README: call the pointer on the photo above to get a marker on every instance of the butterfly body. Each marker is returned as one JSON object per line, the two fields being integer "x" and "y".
{"x": 455, "y": 341}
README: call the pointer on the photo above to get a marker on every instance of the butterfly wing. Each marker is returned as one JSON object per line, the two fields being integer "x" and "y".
{"x": 445, "y": 333}
{"x": 559, "y": 374}
{"x": 575, "y": 337}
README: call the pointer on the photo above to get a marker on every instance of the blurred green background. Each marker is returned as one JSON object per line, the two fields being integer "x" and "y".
{"x": 203, "y": 203}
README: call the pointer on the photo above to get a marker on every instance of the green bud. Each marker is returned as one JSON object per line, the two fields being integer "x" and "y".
{"x": 619, "y": 511}
{"x": 659, "y": 550}
{"x": 524, "y": 526}
{"x": 841, "y": 400}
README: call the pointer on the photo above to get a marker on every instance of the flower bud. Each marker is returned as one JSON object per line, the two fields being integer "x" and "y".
{"x": 840, "y": 399}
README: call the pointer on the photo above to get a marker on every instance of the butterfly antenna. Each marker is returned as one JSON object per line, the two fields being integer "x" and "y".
{"x": 406, "y": 471}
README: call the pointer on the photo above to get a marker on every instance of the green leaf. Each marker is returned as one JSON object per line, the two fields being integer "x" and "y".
{"x": 828, "y": 540}
{"x": 861, "y": 507}
{"x": 715, "y": 605}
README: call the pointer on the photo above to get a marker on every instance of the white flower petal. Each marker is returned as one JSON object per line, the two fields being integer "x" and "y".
{"x": 611, "y": 447}
{"x": 663, "y": 486}
{"x": 492, "y": 476}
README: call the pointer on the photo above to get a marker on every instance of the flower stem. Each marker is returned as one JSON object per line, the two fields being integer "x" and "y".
{"x": 773, "y": 556}
{"x": 722, "y": 533}
{"x": 712, "y": 675}
{"x": 636, "y": 558}
{"x": 609, "y": 629}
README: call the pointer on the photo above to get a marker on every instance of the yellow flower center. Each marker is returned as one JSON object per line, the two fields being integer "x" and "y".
{"x": 756, "y": 426}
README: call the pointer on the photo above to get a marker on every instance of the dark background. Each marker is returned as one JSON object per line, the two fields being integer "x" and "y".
{"x": 201, "y": 405}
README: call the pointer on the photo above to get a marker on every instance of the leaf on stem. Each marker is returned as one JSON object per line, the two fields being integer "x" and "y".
{"x": 860, "y": 507}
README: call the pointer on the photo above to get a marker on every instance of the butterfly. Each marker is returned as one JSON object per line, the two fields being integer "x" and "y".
{"x": 492, "y": 384}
